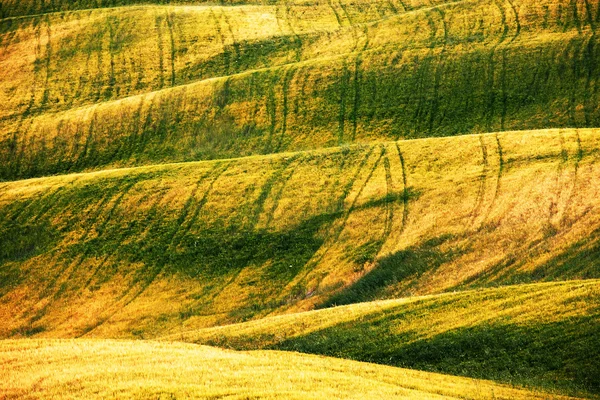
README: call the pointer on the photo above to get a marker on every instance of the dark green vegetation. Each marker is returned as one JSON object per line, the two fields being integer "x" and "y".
{"x": 532, "y": 335}
{"x": 561, "y": 355}
{"x": 402, "y": 266}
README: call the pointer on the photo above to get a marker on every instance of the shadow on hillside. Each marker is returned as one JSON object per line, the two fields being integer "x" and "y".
{"x": 404, "y": 266}
{"x": 19, "y": 242}
{"x": 581, "y": 260}
{"x": 558, "y": 355}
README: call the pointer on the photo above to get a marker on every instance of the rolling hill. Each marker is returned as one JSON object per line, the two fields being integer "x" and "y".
{"x": 407, "y": 183}
{"x": 136, "y": 369}
{"x": 513, "y": 334}
{"x": 138, "y": 251}
{"x": 138, "y": 85}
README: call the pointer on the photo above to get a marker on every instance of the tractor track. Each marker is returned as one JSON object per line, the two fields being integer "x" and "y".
{"x": 331, "y": 233}
{"x": 176, "y": 236}
{"x": 289, "y": 76}
{"x": 476, "y": 211}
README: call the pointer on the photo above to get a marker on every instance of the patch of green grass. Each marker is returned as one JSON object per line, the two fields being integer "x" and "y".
{"x": 23, "y": 241}
{"x": 540, "y": 335}
{"x": 404, "y": 266}
{"x": 10, "y": 277}
{"x": 221, "y": 247}
{"x": 19, "y": 243}
{"x": 554, "y": 356}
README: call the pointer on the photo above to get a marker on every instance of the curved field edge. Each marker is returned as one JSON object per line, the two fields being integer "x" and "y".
{"x": 541, "y": 335}
{"x": 142, "y": 251}
{"x": 143, "y": 369}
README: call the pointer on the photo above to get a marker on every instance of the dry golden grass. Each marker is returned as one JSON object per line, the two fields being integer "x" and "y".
{"x": 62, "y": 369}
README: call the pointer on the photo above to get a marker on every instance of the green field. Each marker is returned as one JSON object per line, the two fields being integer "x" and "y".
{"x": 396, "y": 189}
{"x": 142, "y": 85}
{"x": 513, "y": 334}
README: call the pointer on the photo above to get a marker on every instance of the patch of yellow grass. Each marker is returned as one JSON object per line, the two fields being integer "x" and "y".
{"x": 62, "y": 369}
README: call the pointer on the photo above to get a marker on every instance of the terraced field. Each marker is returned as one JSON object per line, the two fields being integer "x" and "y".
{"x": 407, "y": 183}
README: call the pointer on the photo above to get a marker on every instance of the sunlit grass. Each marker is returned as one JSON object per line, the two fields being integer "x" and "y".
{"x": 541, "y": 335}
{"x": 227, "y": 173}
{"x": 146, "y": 85}
{"x": 140, "y": 251}
{"x": 138, "y": 369}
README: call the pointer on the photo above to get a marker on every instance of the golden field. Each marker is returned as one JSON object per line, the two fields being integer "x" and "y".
{"x": 136, "y": 369}
{"x": 344, "y": 198}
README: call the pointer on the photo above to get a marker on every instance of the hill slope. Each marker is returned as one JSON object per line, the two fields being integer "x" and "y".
{"x": 226, "y": 173}
{"x": 543, "y": 335}
{"x": 141, "y": 251}
{"x": 143, "y": 85}
{"x": 136, "y": 369}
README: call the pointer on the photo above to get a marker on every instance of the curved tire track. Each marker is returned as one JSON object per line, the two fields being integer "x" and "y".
{"x": 405, "y": 210}
{"x": 176, "y": 235}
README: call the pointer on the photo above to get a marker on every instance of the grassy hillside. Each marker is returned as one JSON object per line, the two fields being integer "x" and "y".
{"x": 143, "y": 85}
{"x": 138, "y": 252}
{"x": 412, "y": 183}
{"x": 140, "y": 370}
{"x": 22, "y": 8}
{"x": 85, "y": 57}
{"x": 542, "y": 335}
{"x": 73, "y": 59}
